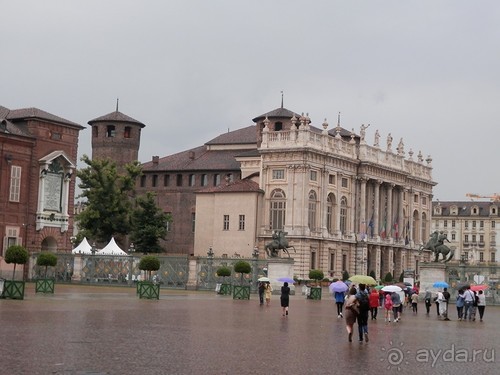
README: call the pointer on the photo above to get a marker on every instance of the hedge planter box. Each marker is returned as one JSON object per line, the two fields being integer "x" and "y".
{"x": 315, "y": 293}
{"x": 13, "y": 289}
{"x": 241, "y": 292}
{"x": 148, "y": 290}
{"x": 225, "y": 289}
{"x": 44, "y": 286}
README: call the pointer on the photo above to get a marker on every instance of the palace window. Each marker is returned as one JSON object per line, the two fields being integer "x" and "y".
{"x": 278, "y": 207}
{"x": 313, "y": 176}
{"x": 278, "y": 174}
{"x": 155, "y": 180}
{"x": 15, "y": 183}
{"x": 311, "y": 220}
{"x": 204, "y": 180}
{"x": 225, "y": 222}
{"x": 241, "y": 222}
{"x": 343, "y": 215}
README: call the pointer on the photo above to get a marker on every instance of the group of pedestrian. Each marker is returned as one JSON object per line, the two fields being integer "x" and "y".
{"x": 266, "y": 290}
{"x": 468, "y": 302}
{"x": 357, "y": 308}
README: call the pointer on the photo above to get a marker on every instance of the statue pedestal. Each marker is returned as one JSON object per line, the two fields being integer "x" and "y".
{"x": 277, "y": 268}
{"x": 431, "y": 273}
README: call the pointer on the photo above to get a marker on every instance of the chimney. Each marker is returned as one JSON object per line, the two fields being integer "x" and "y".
{"x": 191, "y": 155}
{"x": 155, "y": 160}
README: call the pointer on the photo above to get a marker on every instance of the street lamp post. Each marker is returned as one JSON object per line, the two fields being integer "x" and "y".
{"x": 131, "y": 251}
{"x": 93, "y": 250}
{"x": 255, "y": 256}
{"x": 210, "y": 264}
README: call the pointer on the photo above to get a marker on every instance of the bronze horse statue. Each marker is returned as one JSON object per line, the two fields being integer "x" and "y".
{"x": 278, "y": 243}
{"x": 436, "y": 244}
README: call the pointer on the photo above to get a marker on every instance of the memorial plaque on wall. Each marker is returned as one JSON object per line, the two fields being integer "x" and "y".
{"x": 53, "y": 191}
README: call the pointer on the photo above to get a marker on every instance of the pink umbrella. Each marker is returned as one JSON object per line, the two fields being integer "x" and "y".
{"x": 476, "y": 288}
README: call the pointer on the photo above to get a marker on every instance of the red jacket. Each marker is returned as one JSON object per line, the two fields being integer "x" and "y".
{"x": 374, "y": 299}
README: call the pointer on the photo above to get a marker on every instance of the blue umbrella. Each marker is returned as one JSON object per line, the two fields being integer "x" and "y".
{"x": 440, "y": 284}
{"x": 288, "y": 280}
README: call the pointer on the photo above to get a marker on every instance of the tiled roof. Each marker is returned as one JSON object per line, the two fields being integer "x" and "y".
{"x": 116, "y": 116}
{"x": 277, "y": 113}
{"x": 465, "y": 208}
{"x": 197, "y": 159}
{"x": 241, "y": 136}
{"x": 35, "y": 113}
{"x": 238, "y": 186}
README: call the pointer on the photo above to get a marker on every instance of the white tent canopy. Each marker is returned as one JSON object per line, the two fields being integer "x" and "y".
{"x": 111, "y": 249}
{"x": 83, "y": 247}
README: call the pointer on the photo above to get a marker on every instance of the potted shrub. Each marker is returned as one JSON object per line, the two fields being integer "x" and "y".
{"x": 388, "y": 278}
{"x": 345, "y": 276}
{"x": 45, "y": 285}
{"x": 13, "y": 289}
{"x": 317, "y": 276}
{"x": 242, "y": 291}
{"x": 225, "y": 288}
{"x": 147, "y": 289}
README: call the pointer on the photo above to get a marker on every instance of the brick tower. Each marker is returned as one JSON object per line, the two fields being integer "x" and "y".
{"x": 117, "y": 137}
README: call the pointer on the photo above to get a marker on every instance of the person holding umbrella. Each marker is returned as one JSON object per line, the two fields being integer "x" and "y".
{"x": 285, "y": 298}
{"x": 338, "y": 288}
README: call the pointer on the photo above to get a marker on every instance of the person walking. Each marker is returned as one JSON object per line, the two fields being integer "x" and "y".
{"x": 481, "y": 304}
{"x": 364, "y": 308}
{"x": 427, "y": 300}
{"x": 441, "y": 301}
{"x": 339, "y": 301}
{"x": 267, "y": 293}
{"x": 262, "y": 288}
{"x": 414, "y": 302}
{"x": 351, "y": 312}
{"x": 469, "y": 298}
{"x": 374, "y": 302}
{"x": 446, "y": 296}
{"x": 396, "y": 304}
{"x": 285, "y": 298}
{"x": 388, "y": 307}
{"x": 460, "y": 302}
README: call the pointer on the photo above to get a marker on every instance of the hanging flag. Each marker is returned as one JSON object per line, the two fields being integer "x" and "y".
{"x": 371, "y": 225}
{"x": 407, "y": 232}
{"x": 383, "y": 230}
{"x": 363, "y": 230}
{"x": 396, "y": 229}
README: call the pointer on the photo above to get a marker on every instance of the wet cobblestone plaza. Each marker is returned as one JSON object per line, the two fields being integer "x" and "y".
{"x": 109, "y": 330}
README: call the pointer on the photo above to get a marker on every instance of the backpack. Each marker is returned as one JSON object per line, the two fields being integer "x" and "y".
{"x": 364, "y": 303}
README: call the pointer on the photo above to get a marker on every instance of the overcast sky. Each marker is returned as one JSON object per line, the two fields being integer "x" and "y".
{"x": 425, "y": 71}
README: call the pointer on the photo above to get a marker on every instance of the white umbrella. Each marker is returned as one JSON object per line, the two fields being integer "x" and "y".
{"x": 264, "y": 279}
{"x": 391, "y": 288}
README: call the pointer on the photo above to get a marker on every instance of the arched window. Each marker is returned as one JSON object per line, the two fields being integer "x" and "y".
{"x": 311, "y": 210}
{"x": 423, "y": 227}
{"x": 415, "y": 226}
{"x": 343, "y": 215}
{"x": 330, "y": 213}
{"x": 278, "y": 207}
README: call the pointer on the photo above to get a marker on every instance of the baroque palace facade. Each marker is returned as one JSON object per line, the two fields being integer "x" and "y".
{"x": 344, "y": 204}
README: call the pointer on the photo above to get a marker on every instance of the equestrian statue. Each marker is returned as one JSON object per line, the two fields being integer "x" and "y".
{"x": 436, "y": 244}
{"x": 278, "y": 243}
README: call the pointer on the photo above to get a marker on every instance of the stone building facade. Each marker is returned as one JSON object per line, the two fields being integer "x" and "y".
{"x": 472, "y": 229}
{"x": 38, "y": 154}
{"x": 345, "y": 205}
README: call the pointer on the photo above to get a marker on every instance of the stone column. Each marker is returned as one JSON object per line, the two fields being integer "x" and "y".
{"x": 362, "y": 209}
{"x": 390, "y": 217}
{"x": 376, "y": 209}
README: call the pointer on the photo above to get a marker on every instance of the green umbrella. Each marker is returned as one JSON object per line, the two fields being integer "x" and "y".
{"x": 363, "y": 279}
{"x": 378, "y": 287}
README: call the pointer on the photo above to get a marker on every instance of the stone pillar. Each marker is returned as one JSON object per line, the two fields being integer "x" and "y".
{"x": 77, "y": 267}
{"x": 376, "y": 210}
{"x": 362, "y": 209}
{"x": 192, "y": 282}
{"x": 390, "y": 218}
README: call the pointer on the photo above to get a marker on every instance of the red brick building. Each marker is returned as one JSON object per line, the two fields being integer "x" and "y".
{"x": 38, "y": 155}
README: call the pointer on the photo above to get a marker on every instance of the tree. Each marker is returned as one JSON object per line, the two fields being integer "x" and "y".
{"x": 46, "y": 259}
{"x": 388, "y": 277}
{"x": 345, "y": 276}
{"x": 16, "y": 254}
{"x": 317, "y": 275}
{"x": 242, "y": 267}
{"x": 149, "y": 225}
{"x": 108, "y": 198}
{"x": 149, "y": 263}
